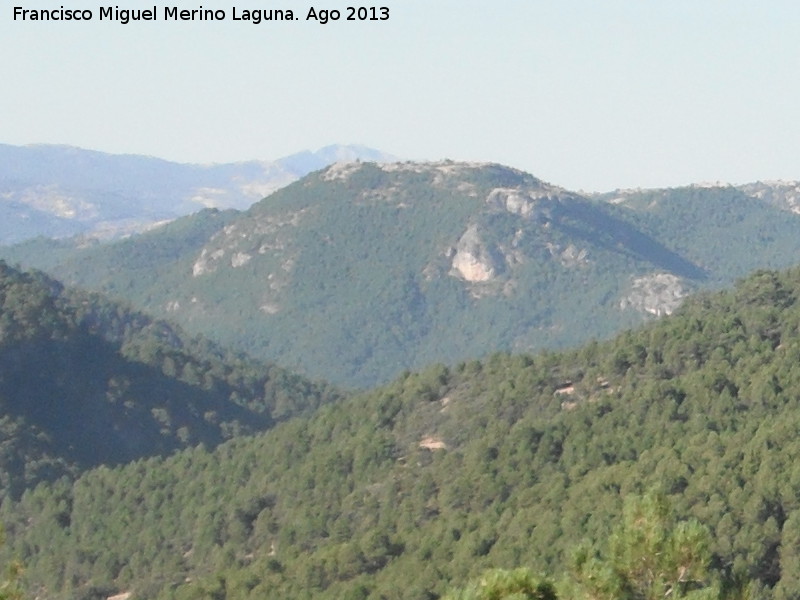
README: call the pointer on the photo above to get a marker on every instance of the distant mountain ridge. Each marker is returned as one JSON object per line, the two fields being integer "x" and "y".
{"x": 361, "y": 270}
{"x": 60, "y": 191}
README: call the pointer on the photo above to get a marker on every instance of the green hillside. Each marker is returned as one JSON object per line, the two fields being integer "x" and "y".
{"x": 143, "y": 259}
{"x": 361, "y": 271}
{"x": 423, "y": 484}
{"x": 727, "y": 231}
{"x": 85, "y": 382}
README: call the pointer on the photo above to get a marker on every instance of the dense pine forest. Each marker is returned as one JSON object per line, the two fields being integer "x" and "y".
{"x": 551, "y": 467}
{"x": 84, "y": 382}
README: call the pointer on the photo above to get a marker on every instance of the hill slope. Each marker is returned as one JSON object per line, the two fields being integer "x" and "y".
{"x": 507, "y": 462}
{"x": 360, "y": 271}
{"x": 85, "y": 382}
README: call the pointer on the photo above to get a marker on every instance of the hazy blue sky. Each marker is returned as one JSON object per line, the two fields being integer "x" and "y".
{"x": 588, "y": 94}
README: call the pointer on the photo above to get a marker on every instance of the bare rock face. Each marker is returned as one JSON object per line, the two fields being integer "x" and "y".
{"x": 535, "y": 205}
{"x": 657, "y": 294}
{"x": 515, "y": 201}
{"x": 571, "y": 256}
{"x": 783, "y": 194}
{"x": 532, "y": 204}
{"x": 473, "y": 260}
{"x": 207, "y": 262}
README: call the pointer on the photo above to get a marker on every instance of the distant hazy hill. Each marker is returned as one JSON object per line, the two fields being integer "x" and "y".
{"x": 58, "y": 191}
{"x": 507, "y": 462}
{"x": 359, "y": 271}
{"x": 85, "y": 382}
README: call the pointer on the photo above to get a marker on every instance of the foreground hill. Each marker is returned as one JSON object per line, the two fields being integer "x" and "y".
{"x": 501, "y": 463}
{"x": 59, "y": 191}
{"x": 360, "y": 271}
{"x": 85, "y": 382}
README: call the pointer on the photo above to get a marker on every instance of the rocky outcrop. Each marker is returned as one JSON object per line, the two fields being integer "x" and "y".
{"x": 783, "y": 194}
{"x": 657, "y": 294}
{"x": 430, "y": 442}
{"x": 473, "y": 260}
{"x": 530, "y": 204}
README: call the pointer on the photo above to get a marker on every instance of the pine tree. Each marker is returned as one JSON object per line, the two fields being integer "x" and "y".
{"x": 649, "y": 557}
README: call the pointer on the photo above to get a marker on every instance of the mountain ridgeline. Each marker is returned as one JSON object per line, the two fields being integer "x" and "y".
{"x": 360, "y": 271}
{"x": 60, "y": 191}
{"x": 408, "y": 490}
{"x": 85, "y": 382}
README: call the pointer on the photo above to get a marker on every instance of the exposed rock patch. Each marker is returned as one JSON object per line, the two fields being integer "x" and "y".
{"x": 239, "y": 259}
{"x": 783, "y": 194}
{"x": 473, "y": 260}
{"x": 657, "y": 294}
{"x": 571, "y": 256}
{"x": 515, "y": 201}
{"x": 206, "y": 262}
{"x": 208, "y": 197}
{"x": 270, "y": 309}
{"x": 432, "y": 443}
{"x": 340, "y": 171}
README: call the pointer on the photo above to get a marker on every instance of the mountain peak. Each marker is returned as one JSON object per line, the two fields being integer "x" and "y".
{"x": 307, "y": 161}
{"x": 440, "y": 173}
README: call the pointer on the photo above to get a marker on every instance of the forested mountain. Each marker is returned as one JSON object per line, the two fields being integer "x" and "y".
{"x": 360, "y": 271}
{"x": 404, "y": 491}
{"x": 85, "y": 382}
{"x": 59, "y": 191}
